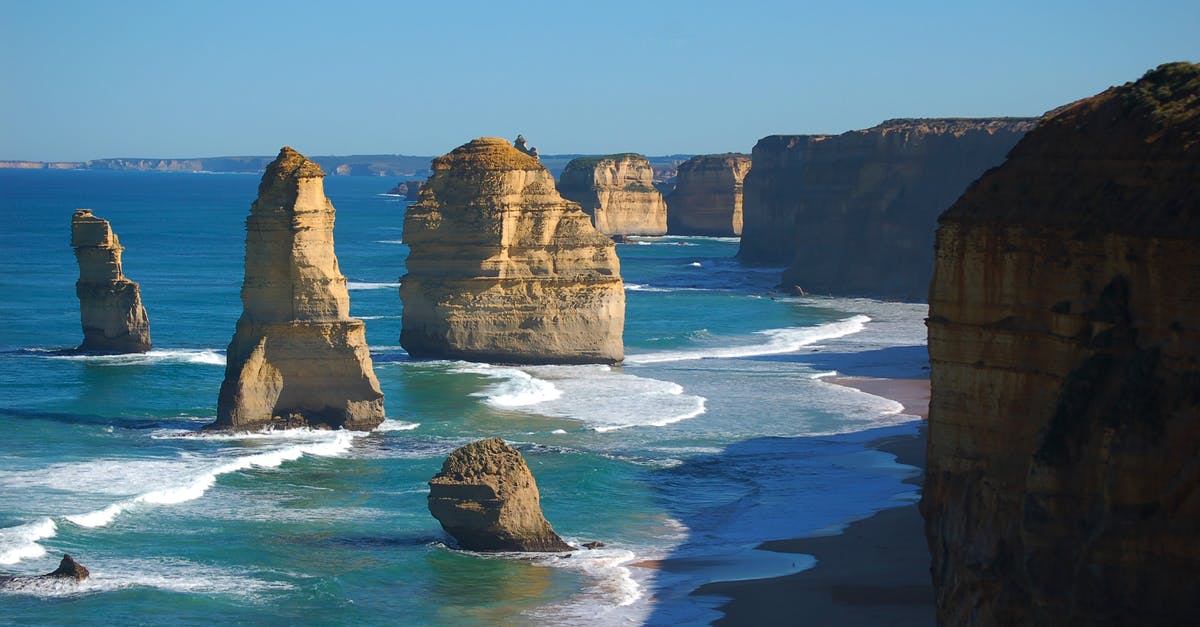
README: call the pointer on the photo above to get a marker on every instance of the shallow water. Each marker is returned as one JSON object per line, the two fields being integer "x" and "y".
{"x": 717, "y": 432}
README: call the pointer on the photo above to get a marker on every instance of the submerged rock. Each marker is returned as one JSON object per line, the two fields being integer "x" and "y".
{"x": 487, "y": 499}
{"x": 297, "y": 357}
{"x": 707, "y": 199}
{"x": 110, "y": 305}
{"x": 618, "y": 192}
{"x": 1064, "y": 338}
{"x": 502, "y": 269}
{"x": 68, "y": 571}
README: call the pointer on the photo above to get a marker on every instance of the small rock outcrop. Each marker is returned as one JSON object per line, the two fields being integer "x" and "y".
{"x": 855, "y": 214}
{"x": 68, "y": 571}
{"x": 110, "y": 305}
{"x": 502, "y": 269}
{"x": 487, "y": 499}
{"x": 618, "y": 192}
{"x": 520, "y": 144}
{"x": 707, "y": 199}
{"x": 1063, "y": 478}
{"x": 408, "y": 189}
{"x": 297, "y": 357}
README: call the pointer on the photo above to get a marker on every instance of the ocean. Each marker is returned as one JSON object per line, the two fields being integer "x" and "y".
{"x": 717, "y": 432}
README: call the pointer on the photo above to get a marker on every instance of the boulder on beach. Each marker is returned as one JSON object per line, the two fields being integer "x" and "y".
{"x": 487, "y": 499}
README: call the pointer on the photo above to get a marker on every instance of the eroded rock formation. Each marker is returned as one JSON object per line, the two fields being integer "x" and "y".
{"x": 410, "y": 190}
{"x": 297, "y": 357}
{"x": 618, "y": 192}
{"x": 1063, "y": 479}
{"x": 487, "y": 499}
{"x": 68, "y": 571}
{"x": 110, "y": 305}
{"x": 855, "y": 214}
{"x": 707, "y": 199}
{"x": 502, "y": 269}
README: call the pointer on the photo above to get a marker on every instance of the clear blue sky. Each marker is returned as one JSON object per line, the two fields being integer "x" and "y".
{"x": 93, "y": 79}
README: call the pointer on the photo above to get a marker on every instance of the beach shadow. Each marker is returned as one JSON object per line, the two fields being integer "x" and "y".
{"x": 764, "y": 489}
{"x": 93, "y": 419}
{"x": 894, "y": 362}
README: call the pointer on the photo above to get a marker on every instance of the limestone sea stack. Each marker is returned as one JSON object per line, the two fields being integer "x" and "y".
{"x": 297, "y": 357}
{"x": 110, "y": 305}
{"x": 855, "y": 214}
{"x": 487, "y": 499}
{"x": 707, "y": 199}
{"x": 503, "y": 269}
{"x": 618, "y": 192}
{"x": 1063, "y": 479}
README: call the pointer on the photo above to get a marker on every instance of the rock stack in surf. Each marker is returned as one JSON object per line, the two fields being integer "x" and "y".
{"x": 297, "y": 358}
{"x": 503, "y": 269}
{"x": 487, "y": 499}
{"x": 110, "y": 305}
{"x": 707, "y": 199}
{"x": 618, "y": 192}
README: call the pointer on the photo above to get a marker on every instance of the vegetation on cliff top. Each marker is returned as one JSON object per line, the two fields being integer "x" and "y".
{"x": 288, "y": 165}
{"x": 592, "y": 162}
{"x": 486, "y": 153}
{"x": 1170, "y": 92}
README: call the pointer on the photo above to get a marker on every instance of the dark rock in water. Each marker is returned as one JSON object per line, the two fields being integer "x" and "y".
{"x": 68, "y": 570}
{"x": 110, "y": 305}
{"x": 408, "y": 189}
{"x": 487, "y": 499}
{"x": 1063, "y": 476}
{"x": 594, "y": 545}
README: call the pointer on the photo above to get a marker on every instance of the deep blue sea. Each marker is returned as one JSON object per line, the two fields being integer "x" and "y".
{"x": 716, "y": 434}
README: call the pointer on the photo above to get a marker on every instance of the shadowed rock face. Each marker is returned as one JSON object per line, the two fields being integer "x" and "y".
{"x": 297, "y": 358}
{"x": 707, "y": 199}
{"x": 487, "y": 499}
{"x": 618, "y": 192}
{"x": 1063, "y": 479}
{"x": 110, "y": 305}
{"x": 502, "y": 269}
{"x": 855, "y": 214}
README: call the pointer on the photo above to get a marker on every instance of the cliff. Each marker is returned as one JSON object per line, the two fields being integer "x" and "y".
{"x": 618, "y": 192}
{"x": 502, "y": 269}
{"x": 707, "y": 199}
{"x": 487, "y": 499}
{"x": 297, "y": 358}
{"x": 1063, "y": 478}
{"x": 110, "y": 305}
{"x": 855, "y": 213}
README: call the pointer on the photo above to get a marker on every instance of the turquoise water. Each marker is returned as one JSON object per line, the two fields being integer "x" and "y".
{"x": 716, "y": 434}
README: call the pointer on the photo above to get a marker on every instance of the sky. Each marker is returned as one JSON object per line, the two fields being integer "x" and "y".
{"x": 87, "y": 80}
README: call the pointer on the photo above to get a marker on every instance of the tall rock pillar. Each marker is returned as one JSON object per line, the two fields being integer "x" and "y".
{"x": 110, "y": 305}
{"x": 297, "y": 357}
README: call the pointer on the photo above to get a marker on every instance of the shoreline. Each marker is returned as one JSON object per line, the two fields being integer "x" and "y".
{"x": 875, "y": 572}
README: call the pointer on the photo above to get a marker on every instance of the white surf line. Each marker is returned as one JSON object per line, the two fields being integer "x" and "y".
{"x": 21, "y": 542}
{"x": 785, "y": 340}
{"x": 198, "y": 486}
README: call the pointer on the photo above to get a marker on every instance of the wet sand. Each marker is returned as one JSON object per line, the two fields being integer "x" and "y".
{"x": 876, "y": 572}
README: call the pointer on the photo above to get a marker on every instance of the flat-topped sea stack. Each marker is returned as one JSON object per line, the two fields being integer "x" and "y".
{"x": 707, "y": 199}
{"x": 1063, "y": 479}
{"x": 297, "y": 357}
{"x": 487, "y": 499}
{"x": 618, "y": 192}
{"x": 110, "y": 305}
{"x": 503, "y": 269}
{"x": 855, "y": 214}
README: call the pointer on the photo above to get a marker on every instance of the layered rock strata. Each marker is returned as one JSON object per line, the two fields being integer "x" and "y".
{"x": 1063, "y": 478}
{"x": 110, "y": 305}
{"x": 707, "y": 199}
{"x": 502, "y": 269}
{"x": 618, "y": 192}
{"x": 487, "y": 499}
{"x": 855, "y": 214}
{"x": 297, "y": 358}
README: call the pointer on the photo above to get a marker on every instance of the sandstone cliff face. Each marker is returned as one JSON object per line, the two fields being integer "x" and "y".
{"x": 1063, "y": 479}
{"x": 855, "y": 213}
{"x": 618, "y": 192}
{"x": 502, "y": 269}
{"x": 487, "y": 499}
{"x": 110, "y": 305}
{"x": 297, "y": 357}
{"x": 708, "y": 196}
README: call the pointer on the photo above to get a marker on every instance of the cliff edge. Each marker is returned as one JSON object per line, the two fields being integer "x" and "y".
{"x": 1063, "y": 477}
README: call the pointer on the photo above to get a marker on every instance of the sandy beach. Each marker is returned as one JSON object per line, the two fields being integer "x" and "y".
{"x": 876, "y": 572}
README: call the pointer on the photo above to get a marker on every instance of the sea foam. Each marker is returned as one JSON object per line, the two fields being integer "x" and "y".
{"x": 775, "y": 341}
{"x": 21, "y": 542}
{"x": 207, "y": 356}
